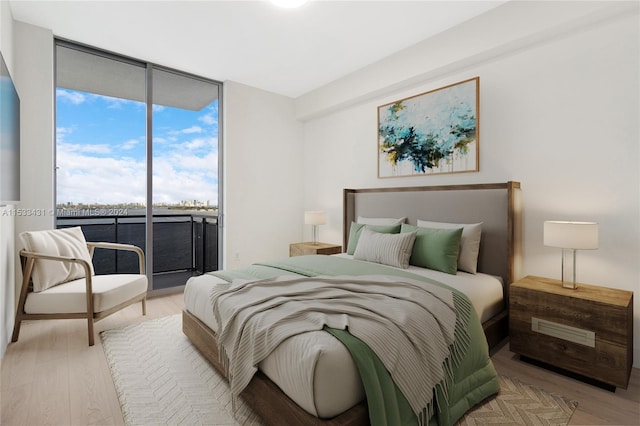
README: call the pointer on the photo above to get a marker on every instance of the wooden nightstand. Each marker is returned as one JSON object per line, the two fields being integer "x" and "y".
{"x": 302, "y": 249}
{"x": 587, "y": 331}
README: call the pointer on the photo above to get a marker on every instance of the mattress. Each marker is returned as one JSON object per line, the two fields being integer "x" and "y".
{"x": 314, "y": 369}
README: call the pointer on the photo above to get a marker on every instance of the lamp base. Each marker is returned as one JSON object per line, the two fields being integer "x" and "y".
{"x": 569, "y": 268}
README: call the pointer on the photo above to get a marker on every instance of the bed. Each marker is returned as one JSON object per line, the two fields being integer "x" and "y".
{"x": 325, "y": 389}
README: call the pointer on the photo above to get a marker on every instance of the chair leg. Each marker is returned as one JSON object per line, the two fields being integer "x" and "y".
{"x": 90, "y": 327}
{"x": 16, "y": 329}
{"x": 144, "y": 306}
{"x": 27, "y": 267}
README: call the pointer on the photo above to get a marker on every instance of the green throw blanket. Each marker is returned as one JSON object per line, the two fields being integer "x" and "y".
{"x": 473, "y": 377}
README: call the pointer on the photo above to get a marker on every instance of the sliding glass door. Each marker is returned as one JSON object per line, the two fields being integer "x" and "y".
{"x": 137, "y": 162}
{"x": 185, "y": 175}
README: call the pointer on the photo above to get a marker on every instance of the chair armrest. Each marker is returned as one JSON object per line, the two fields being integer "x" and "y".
{"x": 119, "y": 246}
{"x": 33, "y": 256}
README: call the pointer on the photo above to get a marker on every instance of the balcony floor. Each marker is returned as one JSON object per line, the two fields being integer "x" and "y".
{"x": 172, "y": 279}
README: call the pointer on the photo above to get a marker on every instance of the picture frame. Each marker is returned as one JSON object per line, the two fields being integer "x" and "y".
{"x": 434, "y": 132}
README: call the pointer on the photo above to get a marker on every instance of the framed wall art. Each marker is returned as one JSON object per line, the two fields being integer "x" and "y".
{"x": 431, "y": 133}
{"x": 9, "y": 138}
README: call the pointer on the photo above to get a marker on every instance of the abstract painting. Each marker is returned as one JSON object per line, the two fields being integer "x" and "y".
{"x": 430, "y": 133}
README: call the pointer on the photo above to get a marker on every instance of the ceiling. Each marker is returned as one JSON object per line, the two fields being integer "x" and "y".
{"x": 286, "y": 51}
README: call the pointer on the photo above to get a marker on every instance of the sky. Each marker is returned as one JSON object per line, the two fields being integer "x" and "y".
{"x": 100, "y": 151}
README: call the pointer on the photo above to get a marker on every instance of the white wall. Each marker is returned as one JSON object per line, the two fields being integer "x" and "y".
{"x": 560, "y": 114}
{"x": 35, "y": 84}
{"x": 262, "y": 176}
{"x": 33, "y": 77}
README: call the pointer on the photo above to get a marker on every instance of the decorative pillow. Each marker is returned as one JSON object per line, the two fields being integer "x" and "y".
{"x": 436, "y": 249}
{"x": 469, "y": 244}
{"x": 68, "y": 242}
{"x": 381, "y": 220}
{"x": 356, "y": 230}
{"x": 388, "y": 249}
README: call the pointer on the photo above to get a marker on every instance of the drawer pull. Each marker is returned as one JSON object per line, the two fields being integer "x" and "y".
{"x": 565, "y": 332}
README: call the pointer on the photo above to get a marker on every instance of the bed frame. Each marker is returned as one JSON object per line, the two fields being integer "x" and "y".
{"x": 497, "y": 205}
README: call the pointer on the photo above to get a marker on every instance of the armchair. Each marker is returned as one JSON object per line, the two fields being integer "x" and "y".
{"x": 59, "y": 282}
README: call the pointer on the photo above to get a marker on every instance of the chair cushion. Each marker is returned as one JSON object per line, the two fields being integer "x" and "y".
{"x": 68, "y": 242}
{"x": 108, "y": 291}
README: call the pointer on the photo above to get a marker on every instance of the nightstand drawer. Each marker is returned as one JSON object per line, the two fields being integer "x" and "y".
{"x": 587, "y": 331}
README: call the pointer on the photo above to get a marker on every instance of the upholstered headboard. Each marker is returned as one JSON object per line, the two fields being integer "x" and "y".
{"x": 497, "y": 205}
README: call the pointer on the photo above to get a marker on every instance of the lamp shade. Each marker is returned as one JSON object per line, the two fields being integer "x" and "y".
{"x": 571, "y": 235}
{"x": 315, "y": 218}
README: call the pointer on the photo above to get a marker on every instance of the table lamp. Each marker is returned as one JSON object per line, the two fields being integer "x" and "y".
{"x": 570, "y": 236}
{"x": 315, "y": 218}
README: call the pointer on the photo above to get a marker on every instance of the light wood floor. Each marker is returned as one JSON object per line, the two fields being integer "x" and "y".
{"x": 51, "y": 377}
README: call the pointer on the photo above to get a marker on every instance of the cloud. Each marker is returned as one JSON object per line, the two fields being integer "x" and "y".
{"x": 185, "y": 156}
{"x": 211, "y": 117}
{"x": 75, "y": 98}
{"x": 130, "y": 144}
{"x": 118, "y": 180}
{"x": 192, "y": 129}
{"x": 178, "y": 174}
{"x": 208, "y": 119}
{"x": 65, "y": 148}
{"x": 195, "y": 144}
{"x": 187, "y": 131}
{"x": 62, "y": 132}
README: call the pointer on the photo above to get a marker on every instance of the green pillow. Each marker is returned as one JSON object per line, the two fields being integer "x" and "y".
{"x": 436, "y": 249}
{"x": 356, "y": 230}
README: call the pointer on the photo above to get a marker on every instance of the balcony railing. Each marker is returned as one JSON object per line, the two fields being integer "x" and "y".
{"x": 183, "y": 243}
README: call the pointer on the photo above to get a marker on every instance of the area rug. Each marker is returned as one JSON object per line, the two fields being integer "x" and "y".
{"x": 520, "y": 404}
{"x": 161, "y": 379}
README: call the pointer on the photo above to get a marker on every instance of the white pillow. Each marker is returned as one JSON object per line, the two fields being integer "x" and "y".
{"x": 69, "y": 242}
{"x": 380, "y": 220}
{"x": 388, "y": 249}
{"x": 469, "y": 243}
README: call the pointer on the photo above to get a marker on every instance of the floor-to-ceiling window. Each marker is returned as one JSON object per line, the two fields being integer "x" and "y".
{"x": 137, "y": 161}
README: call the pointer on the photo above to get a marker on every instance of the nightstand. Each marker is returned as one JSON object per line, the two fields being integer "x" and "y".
{"x": 587, "y": 331}
{"x": 302, "y": 249}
